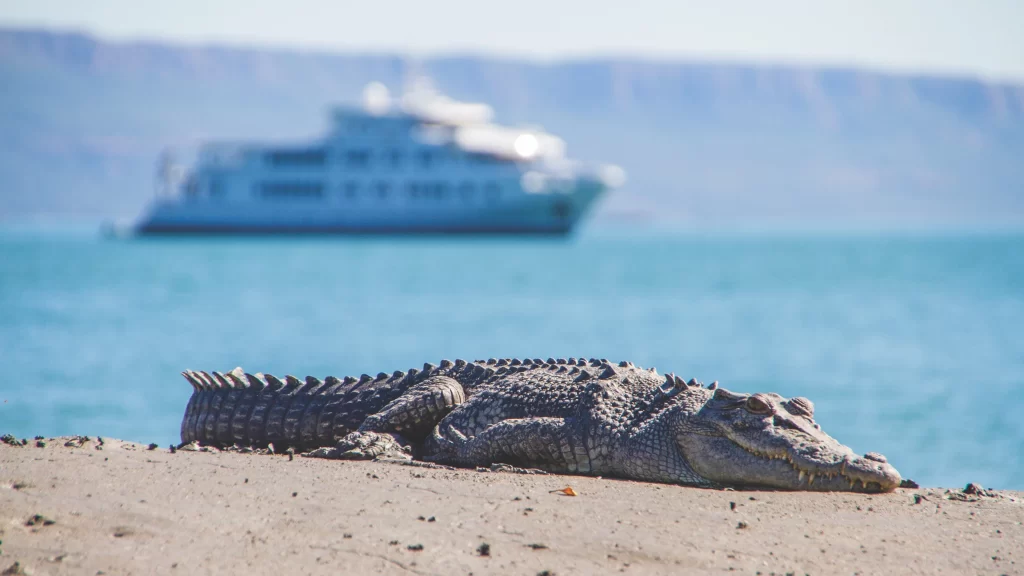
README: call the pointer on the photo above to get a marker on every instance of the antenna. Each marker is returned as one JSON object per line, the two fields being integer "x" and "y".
{"x": 168, "y": 174}
{"x": 415, "y": 77}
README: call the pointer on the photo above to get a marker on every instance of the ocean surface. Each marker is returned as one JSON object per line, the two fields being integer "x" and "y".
{"x": 911, "y": 345}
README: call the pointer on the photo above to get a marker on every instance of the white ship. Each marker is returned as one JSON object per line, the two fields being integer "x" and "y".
{"x": 422, "y": 163}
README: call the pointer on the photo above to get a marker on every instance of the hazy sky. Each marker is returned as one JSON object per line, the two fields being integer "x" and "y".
{"x": 977, "y": 37}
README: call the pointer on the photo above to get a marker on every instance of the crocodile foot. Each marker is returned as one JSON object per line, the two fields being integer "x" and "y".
{"x": 510, "y": 469}
{"x": 371, "y": 445}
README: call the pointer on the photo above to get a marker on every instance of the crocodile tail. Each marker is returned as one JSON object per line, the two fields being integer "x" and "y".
{"x": 244, "y": 409}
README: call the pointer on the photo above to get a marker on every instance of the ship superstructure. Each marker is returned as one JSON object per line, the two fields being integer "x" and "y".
{"x": 423, "y": 163}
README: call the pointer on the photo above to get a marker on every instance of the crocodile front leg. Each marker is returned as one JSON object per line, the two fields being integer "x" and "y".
{"x": 547, "y": 443}
{"x": 408, "y": 419}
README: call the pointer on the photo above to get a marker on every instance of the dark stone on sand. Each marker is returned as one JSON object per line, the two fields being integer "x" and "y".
{"x": 973, "y": 488}
{"x": 39, "y": 519}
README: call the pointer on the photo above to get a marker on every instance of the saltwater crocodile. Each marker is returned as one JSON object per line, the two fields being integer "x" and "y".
{"x": 570, "y": 415}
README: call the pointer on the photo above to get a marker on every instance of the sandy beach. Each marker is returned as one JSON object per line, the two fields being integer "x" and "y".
{"x": 121, "y": 508}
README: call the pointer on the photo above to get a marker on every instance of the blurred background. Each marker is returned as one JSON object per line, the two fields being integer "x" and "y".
{"x": 822, "y": 200}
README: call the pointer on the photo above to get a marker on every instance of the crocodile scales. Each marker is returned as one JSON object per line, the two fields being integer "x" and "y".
{"x": 575, "y": 416}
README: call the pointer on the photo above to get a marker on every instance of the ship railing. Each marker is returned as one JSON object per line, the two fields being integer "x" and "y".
{"x": 508, "y": 142}
{"x": 563, "y": 175}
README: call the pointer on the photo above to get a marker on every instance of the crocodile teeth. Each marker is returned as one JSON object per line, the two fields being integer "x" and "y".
{"x": 811, "y": 480}
{"x": 802, "y": 474}
{"x": 852, "y": 482}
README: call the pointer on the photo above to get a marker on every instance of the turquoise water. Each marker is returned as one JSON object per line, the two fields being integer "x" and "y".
{"x": 909, "y": 345}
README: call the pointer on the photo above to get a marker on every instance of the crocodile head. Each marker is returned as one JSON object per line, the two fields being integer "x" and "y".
{"x": 767, "y": 441}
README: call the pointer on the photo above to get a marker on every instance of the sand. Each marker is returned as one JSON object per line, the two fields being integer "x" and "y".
{"x": 119, "y": 508}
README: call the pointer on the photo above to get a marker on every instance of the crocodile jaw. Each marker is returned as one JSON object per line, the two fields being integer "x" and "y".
{"x": 848, "y": 473}
{"x": 789, "y": 462}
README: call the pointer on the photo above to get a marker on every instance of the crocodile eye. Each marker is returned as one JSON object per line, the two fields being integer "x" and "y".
{"x": 757, "y": 406}
{"x": 801, "y": 407}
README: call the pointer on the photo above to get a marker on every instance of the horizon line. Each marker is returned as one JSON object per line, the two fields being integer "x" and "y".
{"x": 525, "y": 57}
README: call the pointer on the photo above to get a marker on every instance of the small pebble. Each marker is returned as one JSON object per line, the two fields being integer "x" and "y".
{"x": 37, "y": 519}
{"x": 14, "y": 570}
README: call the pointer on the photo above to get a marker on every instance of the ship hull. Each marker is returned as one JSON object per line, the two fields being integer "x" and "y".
{"x": 211, "y": 229}
{"x": 527, "y": 214}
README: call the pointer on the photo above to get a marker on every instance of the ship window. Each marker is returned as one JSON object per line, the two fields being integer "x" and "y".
{"x": 426, "y": 158}
{"x": 396, "y": 158}
{"x": 355, "y": 125}
{"x": 281, "y": 158}
{"x": 216, "y": 187}
{"x": 351, "y": 189}
{"x": 487, "y": 159}
{"x": 492, "y": 191}
{"x": 357, "y": 158}
{"x": 382, "y": 190}
{"x": 439, "y": 190}
{"x": 310, "y": 190}
{"x": 466, "y": 190}
{"x": 431, "y": 190}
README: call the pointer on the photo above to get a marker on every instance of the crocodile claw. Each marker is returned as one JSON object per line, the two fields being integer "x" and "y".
{"x": 371, "y": 445}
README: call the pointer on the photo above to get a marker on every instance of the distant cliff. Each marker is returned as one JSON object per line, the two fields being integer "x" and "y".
{"x": 705, "y": 144}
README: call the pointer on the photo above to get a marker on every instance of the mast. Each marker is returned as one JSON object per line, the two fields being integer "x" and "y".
{"x": 168, "y": 173}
